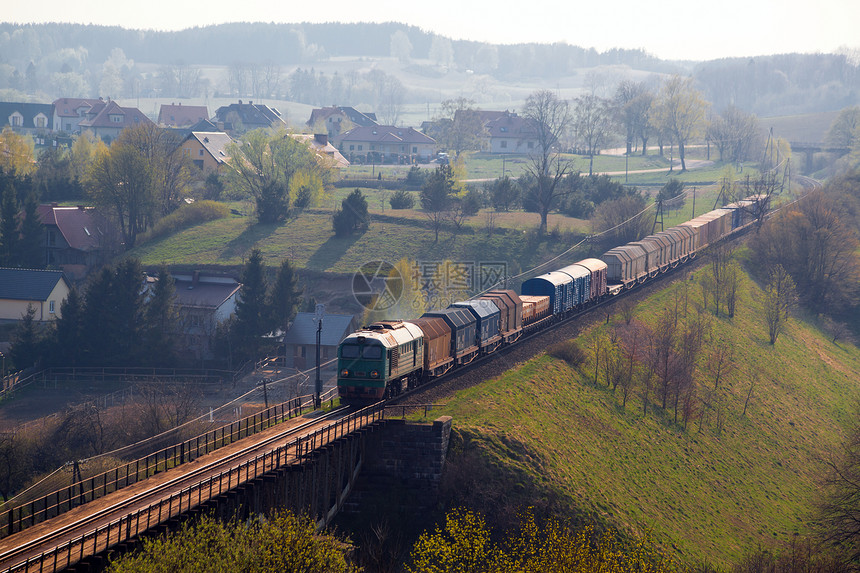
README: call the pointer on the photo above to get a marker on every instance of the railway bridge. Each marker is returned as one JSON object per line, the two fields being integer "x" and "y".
{"x": 306, "y": 463}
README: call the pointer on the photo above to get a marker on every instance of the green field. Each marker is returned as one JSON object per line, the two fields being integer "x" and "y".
{"x": 709, "y": 493}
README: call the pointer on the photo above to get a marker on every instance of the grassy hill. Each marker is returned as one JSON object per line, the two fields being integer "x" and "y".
{"x": 712, "y": 492}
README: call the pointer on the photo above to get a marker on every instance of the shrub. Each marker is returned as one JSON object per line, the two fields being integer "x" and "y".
{"x": 569, "y": 351}
{"x": 402, "y": 199}
{"x": 187, "y": 216}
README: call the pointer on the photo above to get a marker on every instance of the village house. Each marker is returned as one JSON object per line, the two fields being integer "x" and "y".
{"x": 21, "y": 288}
{"x": 241, "y": 117}
{"x": 178, "y": 115}
{"x": 75, "y": 238}
{"x": 69, "y": 112}
{"x": 29, "y": 118}
{"x": 107, "y": 119}
{"x": 386, "y": 144}
{"x": 338, "y": 119}
{"x": 320, "y": 145}
{"x": 207, "y": 149}
{"x": 508, "y": 132}
{"x": 204, "y": 301}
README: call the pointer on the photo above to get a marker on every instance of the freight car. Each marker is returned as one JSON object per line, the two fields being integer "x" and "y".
{"x": 387, "y": 357}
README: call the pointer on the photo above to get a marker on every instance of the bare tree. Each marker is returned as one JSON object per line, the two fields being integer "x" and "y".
{"x": 550, "y": 117}
{"x": 632, "y": 102}
{"x": 593, "y": 125}
{"x": 720, "y": 361}
{"x": 779, "y": 299}
{"x": 679, "y": 111}
{"x": 838, "y": 508}
{"x": 734, "y": 133}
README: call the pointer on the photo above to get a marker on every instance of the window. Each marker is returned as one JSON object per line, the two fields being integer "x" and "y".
{"x": 41, "y": 121}
{"x": 349, "y": 351}
{"x": 372, "y": 352}
{"x": 531, "y": 144}
{"x": 200, "y": 153}
{"x": 352, "y": 148}
{"x": 52, "y": 238}
{"x": 503, "y": 129}
{"x": 116, "y": 118}
{"x": 16, "y": 120}
{"x": 414, "y": 149}
{"x": 360, "y": 147}
{"x": 504, "y": 144}
{"x": 373, "y": 148}
{"x": 51, "y": 307}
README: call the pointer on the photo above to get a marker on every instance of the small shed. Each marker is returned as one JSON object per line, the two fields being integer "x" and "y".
{"x": 301, "y": 339}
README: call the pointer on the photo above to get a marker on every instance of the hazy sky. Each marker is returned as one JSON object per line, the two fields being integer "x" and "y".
{"x": 676, "y": 29}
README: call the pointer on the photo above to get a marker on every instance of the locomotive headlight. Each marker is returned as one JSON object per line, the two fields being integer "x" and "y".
{"x": 374, "y": 374}
{"x": 344, "y": 373}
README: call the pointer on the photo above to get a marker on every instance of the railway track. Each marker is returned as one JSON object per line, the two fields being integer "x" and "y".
{"x": 44, "y": 537}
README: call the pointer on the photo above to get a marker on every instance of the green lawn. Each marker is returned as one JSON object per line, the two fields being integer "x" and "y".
{"x": 710, "y": 494}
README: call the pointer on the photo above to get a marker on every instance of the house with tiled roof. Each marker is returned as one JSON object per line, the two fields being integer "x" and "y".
{"x": 507, "y": 132}
{"x": 301, "y": 339}
{"x": 204, "y": 301}
{"x": 68, "y": 112}
{"x": 32, "y": 118}
{"x": 323, "y": 148}
{"x": 75, "y": 238}
{"x": 207, "y": 149}
{"x": 241, "y": 117}
{"x": 107, "y": 119}
{"x": 386, "y": 144}
{"x": 20, "y": 288}
{"x": 338, "y": 119}
{"x": 178, "y": 115}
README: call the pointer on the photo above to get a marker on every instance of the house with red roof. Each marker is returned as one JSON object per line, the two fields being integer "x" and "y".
{"x": 386, "y": 144}
{"x": 107, "y": 119}
{"x": 75, "y": 238}
{"x": 323, "y": 148}
{"x": 178, "y": 115}
{"x": 70, "y": 111}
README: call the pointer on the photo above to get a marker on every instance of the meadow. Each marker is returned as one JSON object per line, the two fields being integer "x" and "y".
{"x": 743, "y": 474}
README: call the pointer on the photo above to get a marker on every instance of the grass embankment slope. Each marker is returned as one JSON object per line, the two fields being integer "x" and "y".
{"x": 710, "y": 494}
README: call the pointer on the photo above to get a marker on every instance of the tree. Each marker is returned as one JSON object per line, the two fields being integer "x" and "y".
{"x": 401, "y": 47}
{"x": 845, "y": 129}
{"x": 68, "y": 331}
{"x": 837, "y": 508}
{"x": 17, "y": 153}
{"x": 29, "y": 253}
{"x": 352, "y": 217}
{"x": 263, "y": 165}
{"x": 779, "y": 299}
{"x": 9, "y": 235}
{"x": 460, "y": 128}
{"x": 550, "y": 118}
{"x": 593, "y": 124}
{"x": 120, "y": 182}
{"x": 463, "y": 544}
{"x": 622, "y": 219}
{"x": 24, "y": 350}
{"x": 252, "y": 318}
{"x": 505, "y": 193}
{"x": 679, "y": 110}
{"x": 285, "y": 296}
{"x": 437, "y": 196}
{"x": 170, "y": 169}
{"x": 734, "y": 133}
{"x": 161, "y": 319}
{"x": 632, "y": 102}
{"x": 126, "y": 303}
{"x": 279, "y": 542}
{"x": 98, "y": 330}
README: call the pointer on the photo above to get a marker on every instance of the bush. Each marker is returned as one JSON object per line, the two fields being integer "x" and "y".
{"x": 187, "y": 216}
{"x": 569, "y": 351}
{"x": 402, "y": 199}
{"x": 415, "y": 177}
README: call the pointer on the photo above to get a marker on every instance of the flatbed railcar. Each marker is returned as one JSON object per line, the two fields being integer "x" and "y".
{"x": 385, "y": 358}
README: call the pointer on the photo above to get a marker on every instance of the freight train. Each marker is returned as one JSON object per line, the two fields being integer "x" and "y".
{"x": 390, "y": 356}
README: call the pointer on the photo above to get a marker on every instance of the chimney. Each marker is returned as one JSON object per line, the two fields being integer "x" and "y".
{"x": 321, "y": 138}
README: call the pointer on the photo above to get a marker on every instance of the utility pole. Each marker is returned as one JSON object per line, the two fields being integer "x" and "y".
{"x": 318, "y": 318}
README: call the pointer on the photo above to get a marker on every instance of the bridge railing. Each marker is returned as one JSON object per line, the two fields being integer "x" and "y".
{"x": 65, "y": 499}
{"x": 137, "y": 522}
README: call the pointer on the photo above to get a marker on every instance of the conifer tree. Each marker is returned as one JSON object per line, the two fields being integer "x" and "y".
{"x": 251, "y": 311}
{"x": 161, "y": 322}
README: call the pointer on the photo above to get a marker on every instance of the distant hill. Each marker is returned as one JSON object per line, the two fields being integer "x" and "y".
{"x": 41, "y": 62}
